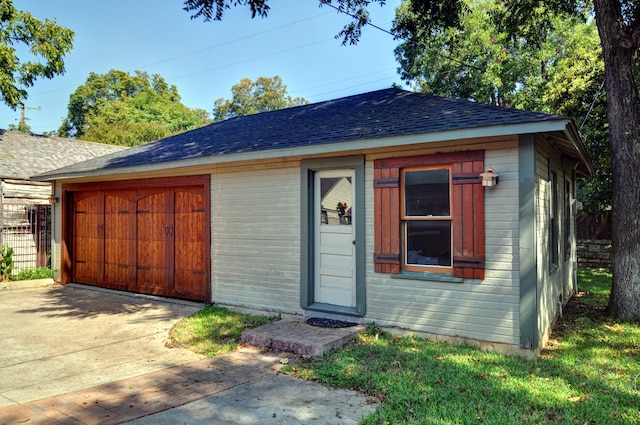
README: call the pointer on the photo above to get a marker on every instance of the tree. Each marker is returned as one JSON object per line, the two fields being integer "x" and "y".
{"x": 480, "y": 61}
{"x": 123, "y": 109}
{"x": 618, "y": 23}
{"x": 46, "y": 43}
{"x": 248, "y": 97}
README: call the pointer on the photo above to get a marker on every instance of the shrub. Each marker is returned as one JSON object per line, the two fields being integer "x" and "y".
{"x": 37, "y": 273}
{"x": 6, "y": 262}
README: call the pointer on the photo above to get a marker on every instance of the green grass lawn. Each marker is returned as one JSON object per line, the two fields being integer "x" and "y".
{"x": 214, "y": 330}
{"x": 588, "y": 374}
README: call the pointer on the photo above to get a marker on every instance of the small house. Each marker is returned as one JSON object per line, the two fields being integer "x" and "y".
{"x": 25, "y": 205}
{"x": 447, "y": 217}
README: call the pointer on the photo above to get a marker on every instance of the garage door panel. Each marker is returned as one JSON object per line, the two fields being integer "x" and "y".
{"x": 119, "y": 240}
{"x": 153, "y": 203}
{"x": 188, "y": 201}
{"x": 151, "y": 280}
{"x": 189, "y": 252}
{"x": 189, "y": 255}
{"x": 85, "y": 271}
{"x": 87, "y": 220}
{"x": 189, "y": 227}
{"x": 118, "y": 252}
{"x": 190, "y": 283}
{"x": 152, "y": 227}
{"x": 143, "y": 239}
{"x": 151, "y": 254}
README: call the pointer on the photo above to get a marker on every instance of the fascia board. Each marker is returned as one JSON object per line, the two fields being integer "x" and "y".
{"x": 328, "y": 149}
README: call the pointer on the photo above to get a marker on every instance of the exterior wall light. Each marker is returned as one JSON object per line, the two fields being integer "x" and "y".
{"x": 489, "y": 178}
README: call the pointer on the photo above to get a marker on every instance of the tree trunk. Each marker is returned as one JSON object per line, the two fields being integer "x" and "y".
{"x": 620, "y": 45}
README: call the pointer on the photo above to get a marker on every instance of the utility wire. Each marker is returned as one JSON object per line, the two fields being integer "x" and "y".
{"x": 592, "y": 104}
{"x": 202, "y": 50}
{"x": 395, "y": 36}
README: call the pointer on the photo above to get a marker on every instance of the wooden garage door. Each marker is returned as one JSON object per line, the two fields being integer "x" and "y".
{"x": 152, "y": 240}
{"x": 119, "y": 240}
{"x": 191, "y": 267}
{"x": 86, "y": 236}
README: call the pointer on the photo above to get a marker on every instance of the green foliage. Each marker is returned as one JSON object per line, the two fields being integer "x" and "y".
{"x": 34, "y": 274}
{"x": 21, "y": 128}
{"x": 214, "y": 9}
{"x": 122, "y": 109}
{"x": 6, "y": 262}
{"x": 248, "y": 97}
{"x": 46, "y": 42}
{"x": 214, "y": 330}
{"x": 560, "y": 72}
{"x": 587, "y": 374}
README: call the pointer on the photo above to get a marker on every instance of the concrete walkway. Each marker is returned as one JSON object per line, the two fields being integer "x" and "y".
{"x": 73, "y": 355}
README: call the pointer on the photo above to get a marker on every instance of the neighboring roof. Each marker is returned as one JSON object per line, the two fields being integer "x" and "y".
{"x": 364, "y": 117}
{"x": 23, "y": 155}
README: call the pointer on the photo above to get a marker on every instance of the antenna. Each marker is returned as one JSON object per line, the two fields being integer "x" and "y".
{"x": 23, "y": 108}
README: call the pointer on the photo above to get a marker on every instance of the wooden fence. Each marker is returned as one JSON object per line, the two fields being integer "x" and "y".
{"x": 594, "y": 240}
{"x": 594, "y": 226}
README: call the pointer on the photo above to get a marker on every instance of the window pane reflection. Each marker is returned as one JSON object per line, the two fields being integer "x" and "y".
{"x": 336, "y": 200}
{"x": 428, "y": 243}
{"x": 427, "y": 193}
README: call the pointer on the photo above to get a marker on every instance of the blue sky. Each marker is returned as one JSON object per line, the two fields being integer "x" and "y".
{"x": 204, "y": 59}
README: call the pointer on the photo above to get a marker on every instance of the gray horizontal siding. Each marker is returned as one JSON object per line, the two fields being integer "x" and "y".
{"x": 256, "y": 238}
{"x": 485, "y": 310}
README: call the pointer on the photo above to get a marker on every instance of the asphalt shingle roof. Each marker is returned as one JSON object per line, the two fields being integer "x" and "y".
{"x": 23, "y": 155}
{"x": 383, "y": 113}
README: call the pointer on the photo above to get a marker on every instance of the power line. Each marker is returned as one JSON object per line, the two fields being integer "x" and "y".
{"x": 205, "y": 49}
{"x": 368, "y": 22}
{"x": 233, "y": 41}
{"x": 592, "y": 104}
{"x": 249, "y": 60}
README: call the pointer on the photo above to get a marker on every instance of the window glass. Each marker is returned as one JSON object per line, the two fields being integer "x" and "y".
{"x": 427, "y": 193}
{"x": 336, "y": 201}
{"x": 427, "y": 219}
{"x": 428, "y": 243}
{"x": 553, "y": 225}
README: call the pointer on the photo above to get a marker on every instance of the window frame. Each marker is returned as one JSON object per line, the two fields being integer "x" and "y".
{"x": 554, "y": 225}
{"x": 468, "y": 233}
{"x": 405, "y": 219}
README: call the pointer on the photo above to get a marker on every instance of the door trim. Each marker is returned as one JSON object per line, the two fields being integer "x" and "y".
{"x": 307, "y": 233}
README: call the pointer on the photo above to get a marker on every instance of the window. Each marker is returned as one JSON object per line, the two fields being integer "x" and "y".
{"x": 553, "y": 222}
{"x": 426, "y": 219}
{"x": 429, "y": 214}
{"x": 567, "y": 220}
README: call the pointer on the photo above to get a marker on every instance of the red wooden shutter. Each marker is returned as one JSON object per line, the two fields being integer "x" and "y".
{"x": 386, "y": 194}
{"x": 467, "y": 203}
{"x": 468, "y": 216}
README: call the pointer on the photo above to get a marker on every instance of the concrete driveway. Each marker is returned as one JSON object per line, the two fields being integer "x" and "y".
{"x": 75, "y": 355}
{"x": 59, "y": 339}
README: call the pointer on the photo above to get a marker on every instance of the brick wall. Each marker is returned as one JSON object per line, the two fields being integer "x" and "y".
{"x": 594, "y": 253}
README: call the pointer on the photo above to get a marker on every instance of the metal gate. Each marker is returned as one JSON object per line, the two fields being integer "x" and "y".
{"x": 27, "y": 229}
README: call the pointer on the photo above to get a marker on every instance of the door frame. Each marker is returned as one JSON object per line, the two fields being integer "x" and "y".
{"x": 307, "y": 233}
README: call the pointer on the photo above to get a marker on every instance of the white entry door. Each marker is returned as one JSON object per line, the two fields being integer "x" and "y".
{"x": 335, "y": 274}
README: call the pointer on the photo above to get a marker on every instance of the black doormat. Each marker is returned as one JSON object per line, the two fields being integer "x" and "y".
{"x": 329, "y": 323}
